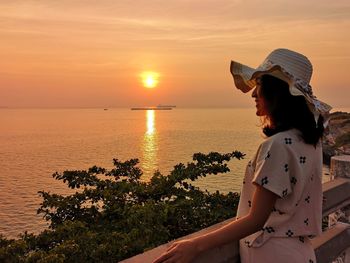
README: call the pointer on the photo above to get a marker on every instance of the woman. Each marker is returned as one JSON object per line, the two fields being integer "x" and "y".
{"x": 281, "y": 198}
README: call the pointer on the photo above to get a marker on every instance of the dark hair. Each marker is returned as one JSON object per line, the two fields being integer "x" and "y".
{"x": 285, "y": 111}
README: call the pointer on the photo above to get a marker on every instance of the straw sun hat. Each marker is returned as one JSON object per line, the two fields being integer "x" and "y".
{"x": 292, "y": 67}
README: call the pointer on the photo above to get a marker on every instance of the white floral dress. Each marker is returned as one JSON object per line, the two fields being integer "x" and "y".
{"x": 291, "y": 169}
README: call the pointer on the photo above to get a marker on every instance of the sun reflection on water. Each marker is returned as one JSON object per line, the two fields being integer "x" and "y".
{"x": 150, "y": 122}
{"x": 150, "y": 146}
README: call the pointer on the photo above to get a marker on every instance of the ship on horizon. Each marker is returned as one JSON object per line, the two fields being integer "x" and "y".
{"x": 158, "y": 107}
{"x": 166, "y": 106}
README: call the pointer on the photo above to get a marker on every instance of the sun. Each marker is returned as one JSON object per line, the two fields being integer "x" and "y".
{"x": 150, "y": 79}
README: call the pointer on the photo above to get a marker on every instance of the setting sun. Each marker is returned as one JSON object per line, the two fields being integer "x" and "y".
{"x": 150, "y": 79}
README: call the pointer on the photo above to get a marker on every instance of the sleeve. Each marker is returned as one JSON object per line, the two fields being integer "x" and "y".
{"x": 272, "y": 169}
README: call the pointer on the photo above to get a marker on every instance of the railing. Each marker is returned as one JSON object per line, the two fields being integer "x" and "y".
{"x": 328, "y": 246}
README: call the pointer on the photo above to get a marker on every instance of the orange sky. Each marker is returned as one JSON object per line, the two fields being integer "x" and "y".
{"x": 90, "y": 53}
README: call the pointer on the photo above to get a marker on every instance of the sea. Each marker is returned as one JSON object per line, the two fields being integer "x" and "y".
{"x": 35, "y": 143}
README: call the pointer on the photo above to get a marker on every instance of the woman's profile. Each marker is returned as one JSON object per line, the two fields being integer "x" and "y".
{"x": 280, "y": 206}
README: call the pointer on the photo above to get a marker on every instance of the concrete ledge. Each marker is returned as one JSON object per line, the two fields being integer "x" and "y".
{"x": 328, "y": 246}
{"x": 331, "y": 243}
{"x": 225, "y": 254}
{"x": 340, "y": 166}
{"x": 337, "y": 194}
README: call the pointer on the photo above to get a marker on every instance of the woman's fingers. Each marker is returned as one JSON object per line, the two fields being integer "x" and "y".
{"x": 179, "y": 252}
{"x": 173, "y": 259}
{"x": 172, "y": 246}
{"x": 165, "y": 257}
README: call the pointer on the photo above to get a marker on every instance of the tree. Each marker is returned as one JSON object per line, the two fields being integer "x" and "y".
{"x": 114, "y": 214}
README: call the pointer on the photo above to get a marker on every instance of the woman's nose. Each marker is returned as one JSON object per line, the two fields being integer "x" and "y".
{"x": 254, "y": 93}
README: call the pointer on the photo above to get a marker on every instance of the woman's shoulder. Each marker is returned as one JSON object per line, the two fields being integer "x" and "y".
{"x": 283, "y": 138}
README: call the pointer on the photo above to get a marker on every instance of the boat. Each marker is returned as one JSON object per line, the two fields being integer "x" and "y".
{"x": 152, "y": 108}
{"x": 166, "y": 106}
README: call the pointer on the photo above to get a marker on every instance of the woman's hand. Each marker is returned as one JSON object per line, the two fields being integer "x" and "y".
{"x": 183, "y": 251}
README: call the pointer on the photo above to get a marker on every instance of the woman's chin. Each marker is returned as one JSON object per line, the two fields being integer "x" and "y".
{"x": 259, "y": 113}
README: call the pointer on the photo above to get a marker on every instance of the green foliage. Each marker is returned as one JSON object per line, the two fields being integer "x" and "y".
{"x": 343, "y": 139}
{"x": 115, "y": 214}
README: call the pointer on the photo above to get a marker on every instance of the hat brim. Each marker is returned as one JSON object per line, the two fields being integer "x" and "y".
{"x": 245, "y": 77}
{"x": 242, "y": 76}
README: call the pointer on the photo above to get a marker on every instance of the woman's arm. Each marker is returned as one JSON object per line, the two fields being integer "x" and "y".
{"x": 262, "y": 205}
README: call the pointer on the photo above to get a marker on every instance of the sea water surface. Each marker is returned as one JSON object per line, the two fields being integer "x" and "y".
{"x": 35, "y": 143}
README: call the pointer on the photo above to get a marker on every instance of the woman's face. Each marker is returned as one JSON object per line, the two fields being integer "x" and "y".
{"x": 259, "y": 100}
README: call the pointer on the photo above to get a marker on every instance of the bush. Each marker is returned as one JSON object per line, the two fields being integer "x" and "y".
{"x": 115, "y": 215}
{"x": 343, "y": 139}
